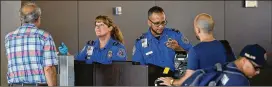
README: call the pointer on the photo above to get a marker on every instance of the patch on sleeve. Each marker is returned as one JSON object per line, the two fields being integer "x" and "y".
{"x": 185, "y": 40}
{"x": 121, "y": 53}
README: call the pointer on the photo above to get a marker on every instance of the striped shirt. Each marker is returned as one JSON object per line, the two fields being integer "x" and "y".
{"x": 29, "y": 50}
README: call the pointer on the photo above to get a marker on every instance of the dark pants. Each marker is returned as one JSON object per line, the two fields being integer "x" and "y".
{"x": 155, "y": 72}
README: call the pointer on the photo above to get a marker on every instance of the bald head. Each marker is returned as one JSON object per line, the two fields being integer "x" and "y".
{"x": 204, "y": 22}
{"x": 30, "y": 13}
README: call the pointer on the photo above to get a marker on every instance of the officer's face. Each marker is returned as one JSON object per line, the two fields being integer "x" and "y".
{"x": 251, "y": 69}
{"x": 157, "y": 23}
{"x": 101, "y": 29}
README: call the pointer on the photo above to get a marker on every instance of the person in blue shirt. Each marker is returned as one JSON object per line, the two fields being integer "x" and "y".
{"x": 205, "y": 54}
{"x": 109, "y": 45}
{"x": 252, "y": 58}
{"x": 157, "y": 46}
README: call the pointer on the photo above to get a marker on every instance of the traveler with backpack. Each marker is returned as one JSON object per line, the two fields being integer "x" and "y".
{"x": 251, "y": 59}
{"x": 205, "y": 54}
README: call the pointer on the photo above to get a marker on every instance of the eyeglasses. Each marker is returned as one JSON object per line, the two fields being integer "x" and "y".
{"x": 256, "y": 67}
{"x": 157, "y": 24}
{"x": 99, "y": 26}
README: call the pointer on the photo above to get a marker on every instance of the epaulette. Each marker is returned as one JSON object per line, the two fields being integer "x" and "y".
{"x": 141, "y": 37}
{"x": 116, "y": 43}
{"x": 90, "y": 42}
{"x": 175, "y": 30}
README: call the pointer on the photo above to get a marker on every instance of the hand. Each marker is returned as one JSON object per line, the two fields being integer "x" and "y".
{"x": 166, "y": 81}
{"x": 63, "y": 50}
{"x": 174, "y": 45}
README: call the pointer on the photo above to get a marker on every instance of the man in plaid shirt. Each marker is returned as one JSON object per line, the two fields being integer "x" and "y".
{"x": 31, "y": 52}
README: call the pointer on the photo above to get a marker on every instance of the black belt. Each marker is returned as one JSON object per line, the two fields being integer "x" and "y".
{"x": 27, "y": 84}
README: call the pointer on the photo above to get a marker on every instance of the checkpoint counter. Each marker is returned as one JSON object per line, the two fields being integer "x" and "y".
{"x": 120, "y": 73}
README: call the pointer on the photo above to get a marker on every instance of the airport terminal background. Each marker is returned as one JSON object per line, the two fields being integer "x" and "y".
{"x": 72, "y": 22}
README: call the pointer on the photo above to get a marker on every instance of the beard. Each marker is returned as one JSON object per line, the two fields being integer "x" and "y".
{"x": 157, "y": 33}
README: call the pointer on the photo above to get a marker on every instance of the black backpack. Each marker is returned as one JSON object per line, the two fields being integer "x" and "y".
{"x": 229, "y": 52}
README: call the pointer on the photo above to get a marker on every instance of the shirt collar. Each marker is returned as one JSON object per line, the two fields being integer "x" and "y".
{"x": 107, "y": 46}
{"x": 28, "y": 25}
{"x": 149, "y": 33}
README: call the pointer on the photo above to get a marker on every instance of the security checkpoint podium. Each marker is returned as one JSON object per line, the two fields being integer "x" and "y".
{"x": 120, "y": 73}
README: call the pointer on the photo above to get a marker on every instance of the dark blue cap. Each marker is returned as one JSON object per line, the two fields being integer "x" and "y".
{"x": 254, "y": 52}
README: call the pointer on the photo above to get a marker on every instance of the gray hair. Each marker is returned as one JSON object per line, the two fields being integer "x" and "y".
{"x": 30, "y": 17}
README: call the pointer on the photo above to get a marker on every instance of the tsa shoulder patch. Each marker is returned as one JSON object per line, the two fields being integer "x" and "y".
{"x": 185, "y": 40}
{"x": 121, "y": 53}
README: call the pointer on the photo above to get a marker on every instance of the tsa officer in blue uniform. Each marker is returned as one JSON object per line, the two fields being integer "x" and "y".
{"x": 109, "y": 45}
{"x": 158, "y": 45}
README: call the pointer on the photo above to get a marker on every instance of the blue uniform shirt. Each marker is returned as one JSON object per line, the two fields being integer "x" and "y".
{"x": 236, "y": 78}
{"x": 206, "y": 54}
{"x": 149, "y": 50}
{"x": 92, "y": 52}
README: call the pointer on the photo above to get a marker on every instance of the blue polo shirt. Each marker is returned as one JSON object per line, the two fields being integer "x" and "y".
{"x": 150, "y": 50}
{"x": 206, "y": 54}
{"x": 92, "y": 52}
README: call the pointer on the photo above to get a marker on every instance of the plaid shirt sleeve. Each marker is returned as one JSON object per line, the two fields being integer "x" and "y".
{"x": 50, "y": 55}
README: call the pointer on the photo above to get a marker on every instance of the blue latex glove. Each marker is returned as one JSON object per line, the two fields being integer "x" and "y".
{"x": 63, "y": 49}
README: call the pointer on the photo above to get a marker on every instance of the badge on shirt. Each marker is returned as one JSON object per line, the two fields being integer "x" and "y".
{"x": 90, "y": 50}
{"x": 185, "y": 40}
{"x": 121, "y": 53}
{"x": 109, "y": 54}
{"x": 170, "y": 39}
{"x": 144, "y": 42}
{"x": 168, "y": 42}
{"x": 148, "y": 53}
{"x": 133, "y": 50}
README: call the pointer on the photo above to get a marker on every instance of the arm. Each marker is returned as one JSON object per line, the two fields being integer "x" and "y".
{"x": 187, "y": 74}
{"x": 119, "y": 53}
{"x": 183, "y": 42}
{"x": 137, "y": 54}
{"x": 50, "y": 59}
{"x": 180, "y": 43}
{"x": 82, "y": 54}
{"x": 51, "y": 75}
{"x": 192, "y": 65}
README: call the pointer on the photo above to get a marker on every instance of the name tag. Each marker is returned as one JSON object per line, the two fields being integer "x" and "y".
{"x": 148, "y": 53}
{"x": 144, "y": 42}
{"x": 90, "y": 50}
